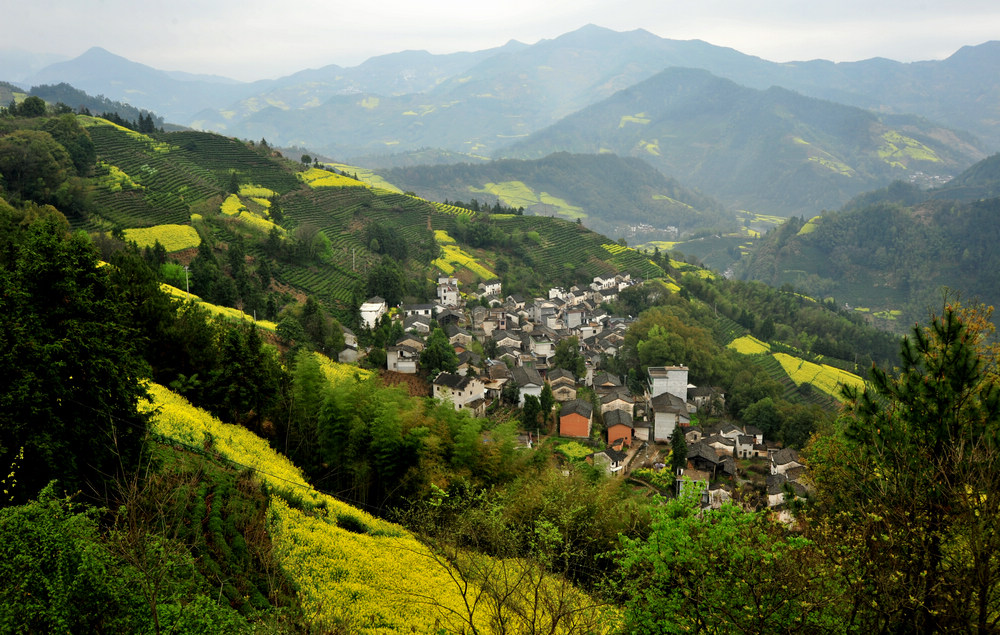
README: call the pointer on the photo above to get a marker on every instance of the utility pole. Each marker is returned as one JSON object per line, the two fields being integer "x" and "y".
{"x": 187, "y": 284}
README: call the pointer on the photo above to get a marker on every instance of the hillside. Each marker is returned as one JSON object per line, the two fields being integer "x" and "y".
{"x": 185, "y": 177}
{"x": 772, "y": 151}
{"x": 607, "y": 193}
{"x": 269, "y": 489}
{"x": 891, "y": 252}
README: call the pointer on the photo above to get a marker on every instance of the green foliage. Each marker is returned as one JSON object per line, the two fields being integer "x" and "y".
{"x": 912, "y": 485}
{"x": 439, "y": 355}
{"x": 387, "y": 281}
{"x": 724, "y": 571}
{"x": 56, "y": 576}
{"x": 34, "y": 165}
{"x": 68, "y": 343}
{"x": 530, "y": 412}
{"x": 597, "y": 183}
{"x": 567, "y": 356}
{"x": 892, "y": 254}
{"x": 678, "y": 450}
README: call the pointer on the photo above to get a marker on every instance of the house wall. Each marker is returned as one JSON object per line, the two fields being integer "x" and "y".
{"x": 624, "y": 406}
{"x": 529, "y": 390}
{"x": 564, "y": 393}
{"x": 574, "y": 425}
{"x": 619, "y": 431}
{"x": 663, "y": 426}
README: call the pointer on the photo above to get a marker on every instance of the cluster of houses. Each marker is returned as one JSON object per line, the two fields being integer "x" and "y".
{"x": 523, "y": 335}
{"x": 712, "y": 452}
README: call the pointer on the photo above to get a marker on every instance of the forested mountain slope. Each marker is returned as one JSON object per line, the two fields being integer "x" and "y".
{"x": 894, "y": 249}
{"x": 607, "y": 193}
{"x": 770, "y": 151}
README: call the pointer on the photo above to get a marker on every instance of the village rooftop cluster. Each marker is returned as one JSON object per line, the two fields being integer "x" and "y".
{"x": 632, "y": 429}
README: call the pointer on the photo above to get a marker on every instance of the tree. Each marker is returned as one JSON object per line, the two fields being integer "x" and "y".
{"x": 678, "y": 450}
{"x": 912, "y": 484}
{"x": 724, "y": 571}
{"x": 545, "y": 403}
{"x": 568, "y": 357}
{"x": 70, "y": 392}
{"x": 75, "y": 139}
{"x": 33, "y": 165}
{"x": 31, "y": 107}
{"x": 438, "y": 355}
{"x": 530, "y": 411}
{"x": 56, "y": 576}
{"x": 510, "y": 394}
{"x": 388, "y": 281}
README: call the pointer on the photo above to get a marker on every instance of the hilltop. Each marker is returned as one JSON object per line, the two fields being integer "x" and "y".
{"x": 839, "y": 129}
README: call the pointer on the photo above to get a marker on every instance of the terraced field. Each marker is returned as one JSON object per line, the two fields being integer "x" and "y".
{"x": 162, "y": 184}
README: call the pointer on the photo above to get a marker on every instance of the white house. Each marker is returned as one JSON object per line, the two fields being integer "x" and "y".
{"x": 373, "y": 308}
{"x": 784, "y": 460}
{"x": 668, "y": 379}
{"x": 402, "y": 359}
{"x": 490, "y": 287}
{"x": 529, "y": 382}
{"x": 465, "y": 393}
{"x": 669, "y": 411}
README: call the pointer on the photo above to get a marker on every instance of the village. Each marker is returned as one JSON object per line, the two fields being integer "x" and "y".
{"x": 628, "y": 430}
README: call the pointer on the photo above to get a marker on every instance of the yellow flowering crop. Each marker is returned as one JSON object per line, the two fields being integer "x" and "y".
{"x": 353, "y": 572}
{"x": 823, "y": 377}
{"x": 172, "y": 237}
{"x": 215, "y": 309}
{"x": 455, "y": 255}
{"x": 336, "y": 372}
{"x": 316, "y": 177}
{"x": 256, "y": 222}
{"x": 232, "y": 206}
{"x": 366, "y": 177}
{"x": 748, "y": 345}
{"x": 116, "y": 179}
{"x": 256, "y": 191}
{"x": 442, "y": 237}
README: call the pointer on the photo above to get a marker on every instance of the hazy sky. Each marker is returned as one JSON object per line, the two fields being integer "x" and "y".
{"x": 257, "y": 39}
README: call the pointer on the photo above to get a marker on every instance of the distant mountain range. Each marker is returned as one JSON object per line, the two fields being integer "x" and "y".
{"x": 512, "y": 100}
{"x": 772, "y": 150}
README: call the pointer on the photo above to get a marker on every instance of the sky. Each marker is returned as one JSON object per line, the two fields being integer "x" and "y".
{"x": 260, "y": 39}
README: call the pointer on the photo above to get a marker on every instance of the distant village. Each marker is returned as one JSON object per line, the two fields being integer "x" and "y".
{"x": 524, "y": 333}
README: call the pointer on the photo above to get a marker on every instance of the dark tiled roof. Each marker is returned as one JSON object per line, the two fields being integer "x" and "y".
{"x": 455, "y": 382}
{"x": 617, "y": 417}
{"x": 577, "y": 406}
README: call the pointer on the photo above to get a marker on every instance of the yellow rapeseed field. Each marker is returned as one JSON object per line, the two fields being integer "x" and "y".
{"x": 172, "y": 237}
{"x": 315, "y": 177}
{"x": 372, "y": 578}
{"x": 823, "y": 377}
{"x": 748, "y": 345}
{"x": 215, "y": 309}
